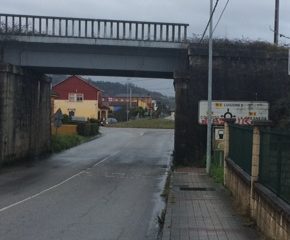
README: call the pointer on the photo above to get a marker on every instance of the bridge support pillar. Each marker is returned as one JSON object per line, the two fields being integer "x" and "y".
{"x": 181, "y": 84}
{"x": 24, "y": 113}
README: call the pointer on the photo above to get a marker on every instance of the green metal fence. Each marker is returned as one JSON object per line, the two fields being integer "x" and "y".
{"x": 241, "y": 144}
{"x": 274, "y": 171}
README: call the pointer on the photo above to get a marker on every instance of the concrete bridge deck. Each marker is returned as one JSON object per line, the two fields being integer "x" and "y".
{"x": 93, "y": 46}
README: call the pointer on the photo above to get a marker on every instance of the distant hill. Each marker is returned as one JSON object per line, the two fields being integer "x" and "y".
{"x": 114, "y": 89}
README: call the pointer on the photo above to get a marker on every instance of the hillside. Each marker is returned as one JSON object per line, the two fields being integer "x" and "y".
{"x": 113, "y": 89}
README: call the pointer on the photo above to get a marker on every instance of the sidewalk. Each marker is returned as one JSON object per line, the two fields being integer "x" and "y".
{"x": 199, "y": 209}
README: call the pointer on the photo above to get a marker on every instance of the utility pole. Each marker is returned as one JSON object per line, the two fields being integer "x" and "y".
{"x": 209, "y": 92}
{"x": 127, "y": 101}
{"x": 276, "y": 24}
{"x": 130, "y": 98}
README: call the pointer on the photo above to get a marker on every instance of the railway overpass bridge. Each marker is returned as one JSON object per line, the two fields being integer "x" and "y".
{"x": 31, "y": 46}
{"x": 93, "y": 46}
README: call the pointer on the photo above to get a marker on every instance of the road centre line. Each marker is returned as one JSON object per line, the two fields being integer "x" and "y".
{"x": 55, "y": 186}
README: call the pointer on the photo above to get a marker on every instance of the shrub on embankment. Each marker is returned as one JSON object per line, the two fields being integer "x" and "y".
{"x": 62, "y": 142}
{"x": 85, "y": 131}
{"x": 88, "y": 129}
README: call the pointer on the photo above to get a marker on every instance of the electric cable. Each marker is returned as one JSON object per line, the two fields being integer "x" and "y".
{"x": 221, "y": 15}
{"x": 210, "y": 18}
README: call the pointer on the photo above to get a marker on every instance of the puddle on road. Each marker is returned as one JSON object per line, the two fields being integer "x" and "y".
{"x": 154, "y": 231}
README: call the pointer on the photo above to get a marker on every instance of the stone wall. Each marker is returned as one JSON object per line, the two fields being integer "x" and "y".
{"x": 240, "y": 72}
{"x": 24, "y": 113}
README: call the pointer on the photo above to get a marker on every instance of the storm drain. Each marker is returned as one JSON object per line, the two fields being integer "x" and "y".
{"x": 196, "y": 189}
{"x": 163, "y": 166}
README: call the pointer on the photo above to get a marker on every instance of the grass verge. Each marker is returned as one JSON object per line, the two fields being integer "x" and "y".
{"x": 217, "y": 173}
{"x": 147, "y": 123}
{"x": 62, "y": 142}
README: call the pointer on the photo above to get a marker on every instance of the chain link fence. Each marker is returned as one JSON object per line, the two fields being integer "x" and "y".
{"x": 275, "y": 162}
{"x": 241, "y": 144}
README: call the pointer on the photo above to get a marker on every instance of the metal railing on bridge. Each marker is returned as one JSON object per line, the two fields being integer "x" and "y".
{"x": 12, "y": 24}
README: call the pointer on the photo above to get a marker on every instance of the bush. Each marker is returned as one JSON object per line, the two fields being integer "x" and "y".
{"x": 66, "y": 119}
{"x": 217, "y": 173}
{"x": 94, "y": 129}
{"x": 93, "y": 120}
{"x": 88, "y": 129}
{"x": 62, "y": 142}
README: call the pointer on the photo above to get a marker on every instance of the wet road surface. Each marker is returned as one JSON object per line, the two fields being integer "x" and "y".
{"x": 106, "y": 189}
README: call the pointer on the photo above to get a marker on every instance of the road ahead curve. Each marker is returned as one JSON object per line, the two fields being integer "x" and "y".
{"x": 106, "y": 189}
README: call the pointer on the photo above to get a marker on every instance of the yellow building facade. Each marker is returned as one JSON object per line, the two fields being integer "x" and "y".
{"x": 84, "y": 109}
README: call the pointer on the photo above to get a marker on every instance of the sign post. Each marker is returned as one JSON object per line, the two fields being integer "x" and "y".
{"x": 57, "y": 121}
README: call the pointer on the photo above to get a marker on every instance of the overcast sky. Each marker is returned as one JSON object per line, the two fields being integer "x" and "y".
{"x": 247, "y": 19}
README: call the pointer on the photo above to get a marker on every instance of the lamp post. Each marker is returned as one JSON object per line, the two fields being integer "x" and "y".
{"x": 209, "y": 94}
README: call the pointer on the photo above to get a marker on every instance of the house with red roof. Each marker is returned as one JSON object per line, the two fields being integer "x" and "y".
{"x": 79, "y": 99}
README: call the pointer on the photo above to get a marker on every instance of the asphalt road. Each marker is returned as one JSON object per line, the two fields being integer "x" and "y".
{"x": 106, "y": 189}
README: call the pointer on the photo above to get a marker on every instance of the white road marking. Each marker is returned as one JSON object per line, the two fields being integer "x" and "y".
{"x": 40, "y": 193}
{"x": 55, "y": 186}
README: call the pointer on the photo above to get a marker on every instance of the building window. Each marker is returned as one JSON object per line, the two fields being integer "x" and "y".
{"x": 71, "y": 112}
{"x": 80, "y": 97}
{"x": 75, "y": 97}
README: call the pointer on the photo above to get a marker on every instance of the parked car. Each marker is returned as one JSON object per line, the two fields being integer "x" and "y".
{"x": 111, "y": 121}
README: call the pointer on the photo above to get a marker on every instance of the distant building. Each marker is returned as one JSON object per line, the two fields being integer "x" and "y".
{"x": 79, "y": 99}
{"x": 154, "y": 105}
{"x": 122, "y": 100}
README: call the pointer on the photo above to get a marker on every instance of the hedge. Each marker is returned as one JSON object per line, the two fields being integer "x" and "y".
{"x": 88, "y": 129}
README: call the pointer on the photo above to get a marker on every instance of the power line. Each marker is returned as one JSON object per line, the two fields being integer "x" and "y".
{"x": 221, "y": 15}
{"x": 284, "y": 36}
{"x": 280, "y": 35}
{"x": 210, "y": 19}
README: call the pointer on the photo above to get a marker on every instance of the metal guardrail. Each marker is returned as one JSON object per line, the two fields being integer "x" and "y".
{"x": 11, "y": 24}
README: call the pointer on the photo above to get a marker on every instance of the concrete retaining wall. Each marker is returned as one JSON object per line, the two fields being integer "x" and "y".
{"x": 24, "y": 113}
{"x": 240, "y": 72}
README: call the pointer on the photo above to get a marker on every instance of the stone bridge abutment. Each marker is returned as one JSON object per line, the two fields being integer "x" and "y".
{"x": 24, "y": 113}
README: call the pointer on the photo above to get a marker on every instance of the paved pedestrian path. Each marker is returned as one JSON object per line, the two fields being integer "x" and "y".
{"x": 199, "y": 209}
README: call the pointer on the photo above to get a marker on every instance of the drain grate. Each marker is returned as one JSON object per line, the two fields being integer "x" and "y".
{"x": 163, "y": 166}
{"x": 196, "y": 189}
